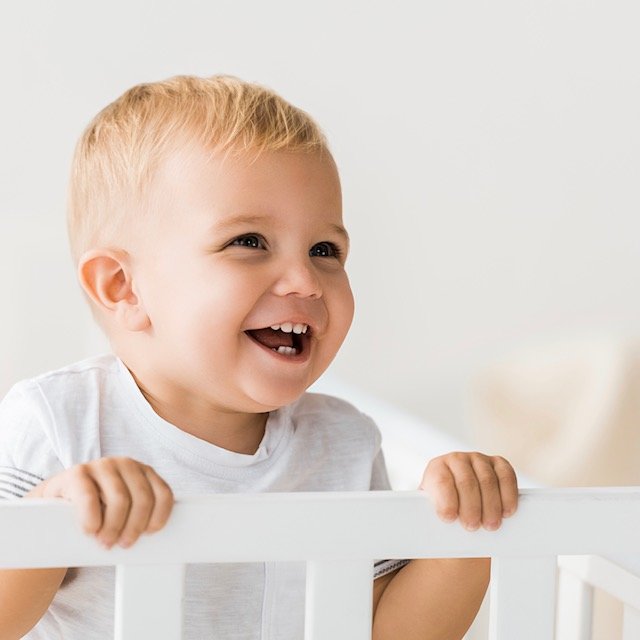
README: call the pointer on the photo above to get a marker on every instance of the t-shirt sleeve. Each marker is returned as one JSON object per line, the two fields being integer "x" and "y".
{"x": 27, "y": 456}
{"x": 379, "y": 475}
{"x": 380, "y": 482}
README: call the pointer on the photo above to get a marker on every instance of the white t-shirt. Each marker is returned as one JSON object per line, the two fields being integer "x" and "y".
{"x": 94, "y": 409}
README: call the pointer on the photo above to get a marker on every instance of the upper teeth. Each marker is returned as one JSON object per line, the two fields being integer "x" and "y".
{"x": 288, "y": 327}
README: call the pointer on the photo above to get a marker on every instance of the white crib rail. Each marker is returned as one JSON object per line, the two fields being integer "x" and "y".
{"x": 339, "y": 535}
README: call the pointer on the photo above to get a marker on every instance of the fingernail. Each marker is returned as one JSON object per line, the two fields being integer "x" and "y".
{"x": 124, "y": 542}
{"x": 471, "y": 527}
{"x": 492, "y": 526}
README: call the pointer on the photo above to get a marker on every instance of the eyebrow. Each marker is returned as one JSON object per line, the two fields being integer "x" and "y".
{"x": 239, "y": 220}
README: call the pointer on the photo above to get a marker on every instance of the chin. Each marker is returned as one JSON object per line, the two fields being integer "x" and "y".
{"x": 271, "y": 399}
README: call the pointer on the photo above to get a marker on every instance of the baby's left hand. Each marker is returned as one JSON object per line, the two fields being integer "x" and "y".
{"x": 479, "y": 489}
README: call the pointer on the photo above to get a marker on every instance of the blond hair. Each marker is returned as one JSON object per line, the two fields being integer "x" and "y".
{"x": 118, "y": 152}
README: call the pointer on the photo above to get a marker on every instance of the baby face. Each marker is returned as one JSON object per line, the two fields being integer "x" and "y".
{"x": 241, "y": 271}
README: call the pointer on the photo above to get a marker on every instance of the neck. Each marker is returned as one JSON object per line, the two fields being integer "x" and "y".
{"x": 231, "y": 430}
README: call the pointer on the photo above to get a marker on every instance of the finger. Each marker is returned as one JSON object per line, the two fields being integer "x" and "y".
{"x": 163, "y": 502}
{"x": 508, "y": 483}
{"x": 469, "y": 496}
{"x": 115, "y": 497}
{"x": 77, "y": 486}
{"x": 142, "y": 501}
{"x": 491, "y": 499}
{"x": 439, "y": 483}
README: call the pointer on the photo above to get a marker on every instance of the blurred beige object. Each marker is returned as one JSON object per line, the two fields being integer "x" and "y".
{"x": 564, "y": 414}
{"x": 567, "y": 415}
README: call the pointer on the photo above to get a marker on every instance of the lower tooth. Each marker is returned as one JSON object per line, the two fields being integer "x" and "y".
{"x": 290, "y": 351}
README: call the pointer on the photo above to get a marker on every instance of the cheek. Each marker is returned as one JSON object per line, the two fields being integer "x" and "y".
{"x": 186, "y": 302}
{"x": 220, "y": 302}
{"x": 347, "y": 297}
{"x": 347, "y": 314}
{"x": 344, "y": 306}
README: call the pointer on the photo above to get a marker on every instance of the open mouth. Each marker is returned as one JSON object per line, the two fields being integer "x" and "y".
{"x": 286, "y": 339}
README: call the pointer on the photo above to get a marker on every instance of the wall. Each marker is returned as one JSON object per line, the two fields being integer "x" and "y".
{"x": 489, "y": 156}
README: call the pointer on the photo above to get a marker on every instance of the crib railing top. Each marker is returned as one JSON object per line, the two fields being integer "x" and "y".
{"x": 324, "y": 525}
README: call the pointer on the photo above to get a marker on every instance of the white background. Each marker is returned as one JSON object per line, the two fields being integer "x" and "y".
{"x": 489, "y": 154}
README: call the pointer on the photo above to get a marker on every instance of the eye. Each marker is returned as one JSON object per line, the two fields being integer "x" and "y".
{"x": 251, "y": 240}
{"x": 325, "y": 250}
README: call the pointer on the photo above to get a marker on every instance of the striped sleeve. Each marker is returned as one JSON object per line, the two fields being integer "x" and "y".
{"x": 382, "y": 567}
{"x": 15, "y": 483}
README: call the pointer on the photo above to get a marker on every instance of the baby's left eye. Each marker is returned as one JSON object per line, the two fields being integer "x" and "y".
{"x": 253, "y": 241}
{"x": 325, "y": 250}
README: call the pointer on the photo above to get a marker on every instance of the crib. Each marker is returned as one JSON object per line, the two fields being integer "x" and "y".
{"x": 545, "y": 560}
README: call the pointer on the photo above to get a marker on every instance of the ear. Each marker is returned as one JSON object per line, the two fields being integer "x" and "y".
{"x": 106, "y": 277}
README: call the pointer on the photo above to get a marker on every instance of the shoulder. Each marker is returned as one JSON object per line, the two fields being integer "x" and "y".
{"x": 39, "y": 429}
{"x": 83, "y": 373}
{"x": 67, "y": 386}
{"x": 30, "y": 391}
{"x": 332, "y": 414}
{"x": 326, "y": 407}
{"x": 70, "y": 392}
{"x": 56, "y": 408}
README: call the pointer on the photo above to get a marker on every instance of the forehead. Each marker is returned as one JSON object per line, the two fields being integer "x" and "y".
{"x": 215, "y": 183}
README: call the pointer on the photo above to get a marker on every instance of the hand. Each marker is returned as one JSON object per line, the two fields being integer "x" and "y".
{"x": 479, "y": 489}
{"x": 117, "y": 499}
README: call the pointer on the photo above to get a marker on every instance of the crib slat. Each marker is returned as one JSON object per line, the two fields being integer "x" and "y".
{"x": 339, "y": 600}
{"x": 623, "y": 583}
{"x": 522, "y": 598}
{"x": 148, "y": 602}
{"x": 575, "y": 607}
{"x": 631, "y": 623}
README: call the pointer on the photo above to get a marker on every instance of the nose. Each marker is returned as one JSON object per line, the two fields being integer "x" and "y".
{"x": 298, "y": 278}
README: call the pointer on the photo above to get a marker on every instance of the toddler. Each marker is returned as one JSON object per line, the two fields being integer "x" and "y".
{"x": 205, "y": 220}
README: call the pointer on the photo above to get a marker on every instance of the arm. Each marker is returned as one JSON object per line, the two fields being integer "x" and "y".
{"x": 25, "y": 595}
{"x": 117, "y": 500}
{"x": 431, "y": 599}
{"x": 438, "y": 599}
